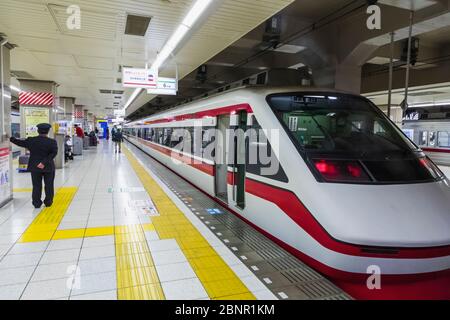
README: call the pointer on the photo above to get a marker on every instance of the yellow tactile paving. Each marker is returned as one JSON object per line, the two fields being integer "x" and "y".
{"x": 136, "y": 274}
{"x": 22, "y": 190}
{"x": 216, "y": 276}
{"x": 45, "y": 224}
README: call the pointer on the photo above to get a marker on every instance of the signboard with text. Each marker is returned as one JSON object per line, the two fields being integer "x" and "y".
{"x": 139, "y": 78}
{"x": 33, "y": 117}
{"x": 5, "y": 174}
{"x": 167, "y": 86}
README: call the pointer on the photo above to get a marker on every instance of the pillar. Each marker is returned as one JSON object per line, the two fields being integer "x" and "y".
{"x": 36, "y": 103}
{"x": 6, "y": 170}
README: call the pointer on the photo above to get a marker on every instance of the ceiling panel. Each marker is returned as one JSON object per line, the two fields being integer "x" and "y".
{"x": 49, "y": 50}
{"x": 55, "y": 59}
{"x": 96, "y": 63}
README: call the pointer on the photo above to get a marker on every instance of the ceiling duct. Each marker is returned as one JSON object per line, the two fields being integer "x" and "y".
{"x": 272, "y": 32}
{"x": 21, "y": 74}
{"x": 202, "y": 72}
{"x": 137, "y": 25}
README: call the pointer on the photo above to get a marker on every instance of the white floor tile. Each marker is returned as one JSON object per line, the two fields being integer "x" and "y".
{"x": 4, "y": 248}
{"x": 175, "y": 271}
{"x": 100, "y": 223}
{"x": 9, "y": 238}
{"x": 46, "y": 290}
{"x": 253, "y": 283}
{"x": 97, "y": 252}
{"x": 188, "y": 289}
{"x": 54, "y": 271}
{"x": 32, "y": 247}
{"x": 65, "y": 244}
{"x": 163, "y": 245}
{"x": 98, "y": 241}
{"x": 100, "y": 265}
{"x": 20, "y": 260}
{"x": 151, "y": 235}
{"x": 168, "y": 257}
{"x": 104, "y": 295}
{"x": 11, "y": 292}
{"x": 264, "y": 295}
{"x": 59, "y": 256}
{"x": 96, "y": 283}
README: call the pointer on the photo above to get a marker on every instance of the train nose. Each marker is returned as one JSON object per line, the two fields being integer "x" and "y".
{"x": 409, "y": 215}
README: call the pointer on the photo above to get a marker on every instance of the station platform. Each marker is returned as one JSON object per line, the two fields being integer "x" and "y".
{"x": 125, "y": 227}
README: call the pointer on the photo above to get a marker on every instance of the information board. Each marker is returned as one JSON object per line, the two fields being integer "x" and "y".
{"x": 34, "y": 116}
{"x": 5, "y": 174}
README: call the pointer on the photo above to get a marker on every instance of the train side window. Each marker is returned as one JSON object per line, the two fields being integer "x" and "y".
{"x": 443, "y": 139}
{"x": 257, "y": 145}
{"x": 432, "y": 140}
{"x": 423, "y": 138}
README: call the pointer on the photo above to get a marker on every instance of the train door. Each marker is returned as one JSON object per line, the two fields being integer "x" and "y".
{"x": 238, "y": 128}
{"x": 221, "y": 170}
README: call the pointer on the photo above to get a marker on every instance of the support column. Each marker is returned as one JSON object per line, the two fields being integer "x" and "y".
{"x": 36, "y": 103}
{"x": 6, "y": 169}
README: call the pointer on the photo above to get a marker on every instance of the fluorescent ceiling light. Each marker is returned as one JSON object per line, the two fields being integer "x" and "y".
{"x": 177, "y": 36}
{"x": 195, "y": 12}
{"x": 191, "y": 18}
{"x": 443, "y": 103}
{"x": 15, "y": 88}
{"x": 132, "y": 97}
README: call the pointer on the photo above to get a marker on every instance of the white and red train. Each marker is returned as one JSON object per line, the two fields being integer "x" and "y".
{"x": 352, "y": 196}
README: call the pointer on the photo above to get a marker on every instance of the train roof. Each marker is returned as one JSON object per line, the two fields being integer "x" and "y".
{"x": 264, "y": 89}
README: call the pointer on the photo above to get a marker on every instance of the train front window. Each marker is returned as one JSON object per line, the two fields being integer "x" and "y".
{"x": 347, "y": 139}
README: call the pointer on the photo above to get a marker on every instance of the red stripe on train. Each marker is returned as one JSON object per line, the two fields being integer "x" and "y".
{"x": 436, "y": 150}
{"x": 206, "y": 113}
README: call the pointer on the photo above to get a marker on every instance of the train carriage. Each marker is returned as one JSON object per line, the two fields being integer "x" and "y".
{"x": 344, "y": 189}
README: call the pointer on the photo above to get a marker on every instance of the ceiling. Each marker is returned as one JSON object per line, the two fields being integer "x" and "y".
{"x": 87, "y": 60}
{"x": 229, "y": 40}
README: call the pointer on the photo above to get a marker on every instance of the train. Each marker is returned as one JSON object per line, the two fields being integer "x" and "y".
{"x": 429, "y": 128}
{"x": 323, "y": 173}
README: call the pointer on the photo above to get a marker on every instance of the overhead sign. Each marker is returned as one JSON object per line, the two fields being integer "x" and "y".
{"x": 167, "y": 86}
{"x": 139, "y": 78}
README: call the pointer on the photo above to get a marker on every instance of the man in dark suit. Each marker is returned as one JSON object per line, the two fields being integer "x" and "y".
{"x": 41, "y": 165}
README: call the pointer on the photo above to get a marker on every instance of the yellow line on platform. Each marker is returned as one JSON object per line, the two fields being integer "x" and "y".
{"x": 137, "y": 278}
{"x": 22, "y": 190}
{"x": 45, "y": 224}
{"x": 218, "y": 279}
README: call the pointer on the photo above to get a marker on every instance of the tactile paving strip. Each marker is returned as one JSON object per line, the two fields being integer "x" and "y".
{"x": 286, "y": 276}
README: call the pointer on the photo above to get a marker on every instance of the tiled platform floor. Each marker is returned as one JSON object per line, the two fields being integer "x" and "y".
{"x": 99, "y": 241}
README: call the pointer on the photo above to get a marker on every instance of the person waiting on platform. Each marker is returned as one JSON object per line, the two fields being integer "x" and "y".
{"x": 79, "y": 131}
{"x": 41, "y": 165}
{"x": 117, "y": 138}
{"x": 68, "y": 155}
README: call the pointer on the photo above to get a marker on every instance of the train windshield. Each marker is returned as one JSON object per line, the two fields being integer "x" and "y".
{"x": 344, "y": 134}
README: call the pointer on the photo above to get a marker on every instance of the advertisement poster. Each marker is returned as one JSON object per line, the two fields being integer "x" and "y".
{"x": 5, "y": 184}
{"x": 34, "y": 116}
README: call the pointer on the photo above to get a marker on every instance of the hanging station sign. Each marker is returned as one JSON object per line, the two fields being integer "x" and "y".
{"x": 139, "y": 78}
{"x": 165, "y": 86}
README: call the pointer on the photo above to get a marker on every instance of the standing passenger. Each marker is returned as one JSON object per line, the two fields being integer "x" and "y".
{"x": 117, "y": 137}
{"x": 41, "y": 165}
